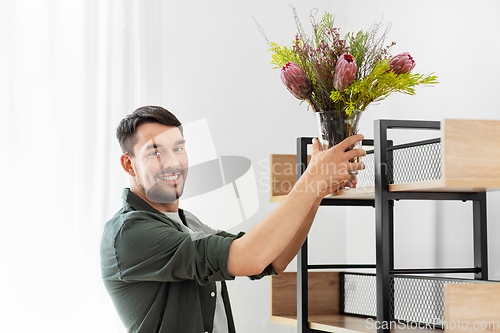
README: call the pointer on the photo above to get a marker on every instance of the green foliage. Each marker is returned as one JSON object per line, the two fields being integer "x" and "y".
{"x": 282, "y": 55}
{"x": 378, "y": 85}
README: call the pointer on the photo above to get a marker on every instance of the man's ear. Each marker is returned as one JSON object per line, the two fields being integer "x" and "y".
{"x": 127, "y": 165}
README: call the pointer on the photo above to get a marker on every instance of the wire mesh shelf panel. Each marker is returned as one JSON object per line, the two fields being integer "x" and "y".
{"x": 413, "y": 299}
{"x": 407, "y": 163}
{"x": 366, "y": 177}
{"x": 360, "y": 295}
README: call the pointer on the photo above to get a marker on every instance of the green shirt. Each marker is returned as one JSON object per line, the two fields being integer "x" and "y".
{"x": 162, "y": 280}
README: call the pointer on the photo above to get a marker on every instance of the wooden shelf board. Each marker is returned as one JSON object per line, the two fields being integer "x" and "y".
{"x": 361, "y": 193}
{"x": 471, "y": 304}
{"x": 277, "y": 198}
{"x": 441, "y": 185}
{"x": 345, "y": 324}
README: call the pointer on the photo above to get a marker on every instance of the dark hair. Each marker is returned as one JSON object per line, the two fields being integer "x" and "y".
{"x": 125, "y": 132}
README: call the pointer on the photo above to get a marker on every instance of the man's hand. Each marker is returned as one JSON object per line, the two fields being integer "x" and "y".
{"x": 329, "y": 169}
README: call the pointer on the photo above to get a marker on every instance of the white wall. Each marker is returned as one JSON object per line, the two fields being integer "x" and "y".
{"x": 214, "y": 65}
{"x": 205, "y": 60}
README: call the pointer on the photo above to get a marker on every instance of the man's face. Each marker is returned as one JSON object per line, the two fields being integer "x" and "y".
{"x": 160, "y": 162}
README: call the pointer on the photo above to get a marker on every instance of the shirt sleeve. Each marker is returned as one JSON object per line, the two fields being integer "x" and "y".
{"x": 147, "y": 249}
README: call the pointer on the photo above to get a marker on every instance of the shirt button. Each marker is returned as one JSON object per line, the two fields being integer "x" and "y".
{"x": 212, "y": 294}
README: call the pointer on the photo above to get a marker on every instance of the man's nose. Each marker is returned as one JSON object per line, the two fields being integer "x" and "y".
{"x": 169, "y": 161}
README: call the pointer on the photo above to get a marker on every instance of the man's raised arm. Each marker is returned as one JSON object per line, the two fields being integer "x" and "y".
{"x": 282, "y": 232}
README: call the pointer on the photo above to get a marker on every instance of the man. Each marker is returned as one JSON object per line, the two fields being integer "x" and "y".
{"x": 163, "y": 268}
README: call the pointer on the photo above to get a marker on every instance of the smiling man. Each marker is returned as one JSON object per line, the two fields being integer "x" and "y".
{"x": 163, "y": 268}
{"x": 159, "y": 165}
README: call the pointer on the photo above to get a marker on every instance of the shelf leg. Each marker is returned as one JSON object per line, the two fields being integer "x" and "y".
{"x": 384, "y": 211}
{"x": 302, "y": 291}
{"x": 480, "y": 238}
{"x": 302, "y": 264}
{"x": 385, "y": 263}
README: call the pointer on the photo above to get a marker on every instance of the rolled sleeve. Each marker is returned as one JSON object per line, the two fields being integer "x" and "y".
{"x": 269, "y": 270}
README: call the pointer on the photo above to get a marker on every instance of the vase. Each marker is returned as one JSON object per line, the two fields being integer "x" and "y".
{"x": 335, "y": 126}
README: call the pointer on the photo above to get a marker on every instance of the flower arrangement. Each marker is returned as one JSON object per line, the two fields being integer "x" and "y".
{"x": 346, "y": 74}
{"x": 349, "y": 73}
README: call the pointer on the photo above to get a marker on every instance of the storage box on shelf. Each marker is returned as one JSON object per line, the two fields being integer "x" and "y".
{"x": 462, "y": 164}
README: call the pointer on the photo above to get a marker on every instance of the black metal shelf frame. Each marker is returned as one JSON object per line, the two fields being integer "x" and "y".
{"x": 384, "y": 220}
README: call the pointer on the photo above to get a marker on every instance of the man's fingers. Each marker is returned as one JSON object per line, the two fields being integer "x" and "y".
{"x": 344, "y": 145}
{"x": 354, "y": 153}
{"x": 315, "y": 146}
{"x": 351, "y": 183}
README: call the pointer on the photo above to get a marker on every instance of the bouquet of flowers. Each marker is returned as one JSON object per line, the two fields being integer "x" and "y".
{"x": 341, "y": 76}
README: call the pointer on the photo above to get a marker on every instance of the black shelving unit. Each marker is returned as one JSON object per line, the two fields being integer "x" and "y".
{"x": 384, "y": 174}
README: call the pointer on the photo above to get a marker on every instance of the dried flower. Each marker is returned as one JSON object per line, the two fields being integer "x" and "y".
{"x": 296, "y": 81}
{"x": 402, "y": 63}
{"x": 345, "y": 72}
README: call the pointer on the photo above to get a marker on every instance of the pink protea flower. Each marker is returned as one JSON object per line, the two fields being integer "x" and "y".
{"x": 296, "y": 81}
{"x": 345, "y": 72}
{"x": 402, "y": 63}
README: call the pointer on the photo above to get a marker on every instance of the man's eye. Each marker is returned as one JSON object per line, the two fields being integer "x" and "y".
{"x": 155, "y": 153}
{"x": 178, "y": 149}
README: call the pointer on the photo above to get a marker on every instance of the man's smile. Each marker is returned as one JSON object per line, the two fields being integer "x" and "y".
{"x": 170, "y": 178}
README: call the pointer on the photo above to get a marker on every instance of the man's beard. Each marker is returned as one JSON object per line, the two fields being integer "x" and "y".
{"x": 161, "y": 192}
